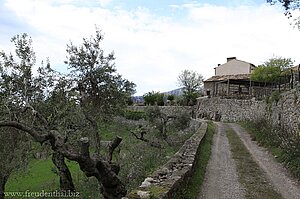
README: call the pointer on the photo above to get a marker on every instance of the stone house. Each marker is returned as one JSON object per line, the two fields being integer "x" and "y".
{"x": 231, "y": 79}
{"x": 233, "y": 66}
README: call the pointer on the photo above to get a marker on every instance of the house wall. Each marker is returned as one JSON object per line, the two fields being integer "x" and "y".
{"x": 209, "y": 86}
{"x": 234, "y": 67}
{"x": 221, "y": 89}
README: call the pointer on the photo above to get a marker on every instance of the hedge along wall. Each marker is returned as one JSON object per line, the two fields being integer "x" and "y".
{"x": 164, "y": 182}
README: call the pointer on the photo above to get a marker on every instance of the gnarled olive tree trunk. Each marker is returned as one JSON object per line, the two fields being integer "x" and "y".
{"x": 65, "y": 177}
{"x": 104, "y": 171}
{"x": 3, "y": 180}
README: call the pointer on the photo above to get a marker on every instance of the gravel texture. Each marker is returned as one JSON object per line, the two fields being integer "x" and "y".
{"x": 276, "y": 173}
{"x": 221, "y": 178}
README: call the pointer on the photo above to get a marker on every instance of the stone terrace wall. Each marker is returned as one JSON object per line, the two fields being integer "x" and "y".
{"x": 169, "y": 178}
{"x": 285, "y": 113}
{"x": 229, "y": 110}
{"x": 169, "y": 110}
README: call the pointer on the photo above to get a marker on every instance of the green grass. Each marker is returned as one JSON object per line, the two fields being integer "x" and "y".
{"x": 38, "y": 176}
{"x": 272, "y": 138}
{"x": 251, "y": 176}
{"x": 192, "y": 188}
{"x": 264, "y": 135}
{"x": 137, "y": 160}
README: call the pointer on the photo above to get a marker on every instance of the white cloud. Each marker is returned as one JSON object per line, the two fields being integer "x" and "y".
{"x": 152, "y": 50}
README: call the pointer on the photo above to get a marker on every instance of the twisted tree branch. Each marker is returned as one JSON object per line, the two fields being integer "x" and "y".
{"x": 95, "y": 166}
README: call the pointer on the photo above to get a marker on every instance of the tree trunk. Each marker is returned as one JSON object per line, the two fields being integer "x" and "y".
{"x": 97, "y": 137}
{"x": 95, "y": 127}
{"x": 65, "y": 177}
{"x": 3, "y": 181}
{"x": 164, "y": 121}
{"x": 112, "y": 187}
{"x": 2, "y": 185}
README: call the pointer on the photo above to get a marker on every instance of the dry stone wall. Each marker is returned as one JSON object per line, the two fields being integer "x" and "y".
{"x": 164, "y": 182}
{"x": 284, "y": 113}
{"x": 230, "y": 110}
{"x": 168, "y": 110}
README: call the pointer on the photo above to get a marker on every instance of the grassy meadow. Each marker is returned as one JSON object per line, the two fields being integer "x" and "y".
{"x": 137, "y": 160}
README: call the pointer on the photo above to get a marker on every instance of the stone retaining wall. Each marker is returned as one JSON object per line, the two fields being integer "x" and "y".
{"x": 230, "y": 110}
{"x": 168, "y": 179}
{"x": 168, "y": 110}
{"x": 284, "y": 113}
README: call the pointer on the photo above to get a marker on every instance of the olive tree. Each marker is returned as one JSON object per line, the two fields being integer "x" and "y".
{"x": 15, "y": 91}
{"x": 59, "y": 109}
{"x": 191, "y": 82}
{"x": 22, "y": 94}
{"x": 102, "y": 92}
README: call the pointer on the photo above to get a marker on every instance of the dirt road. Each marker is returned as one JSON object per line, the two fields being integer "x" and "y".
{"x": 222, "y": 180}
{"x": 275, "y": 172}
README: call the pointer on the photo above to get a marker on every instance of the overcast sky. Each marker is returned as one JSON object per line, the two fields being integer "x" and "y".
{"x": 154, "y": 40}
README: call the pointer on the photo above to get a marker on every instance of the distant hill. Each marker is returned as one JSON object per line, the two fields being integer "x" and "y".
{"x": 137, "y": 99}
{"x": 175, "y": 92}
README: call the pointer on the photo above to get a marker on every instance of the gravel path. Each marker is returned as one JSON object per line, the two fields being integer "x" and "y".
{"x": 276, "y": 173}
{"x": 221, "y": 178}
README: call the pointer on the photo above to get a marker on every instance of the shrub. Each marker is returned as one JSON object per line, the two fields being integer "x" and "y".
{"x": 134, "y": 115}
{"x": 154, "y": 98}
{"x": 182, "y": 120}
{"x": 171, "y": 97}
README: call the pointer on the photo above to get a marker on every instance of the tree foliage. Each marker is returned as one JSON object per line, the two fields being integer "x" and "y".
{"x": 22, "y": 94}
{"x": 289, "y": 5}
{"x": 61, "y": 108}
{"x": 101, "y": 89}
{"x": 279, "y": 62}
{"x": 102, "y": 92}
{"x": 162, "y": 120}
{"x": 266, "y": 74}
{"x": 171, "y": 98}
{"x": 17, "y": 90}
{"x": 154, "y": 98}
{"x": 271, "y": 70}
{"x": 159, "y": 119}
{"x": 192, "y": 84}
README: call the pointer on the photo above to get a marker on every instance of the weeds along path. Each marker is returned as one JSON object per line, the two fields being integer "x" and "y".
{"x": 275, "y": 172}
{"x": 221, "y": 178}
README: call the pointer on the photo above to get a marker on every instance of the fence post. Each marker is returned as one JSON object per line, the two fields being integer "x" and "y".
{"x": 299, "y": 73}
{"x": 292, "y": 79}
{"x": 279, "y": 83}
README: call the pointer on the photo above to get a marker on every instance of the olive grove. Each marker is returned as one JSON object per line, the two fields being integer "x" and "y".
{"x": 62, "y": 110}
